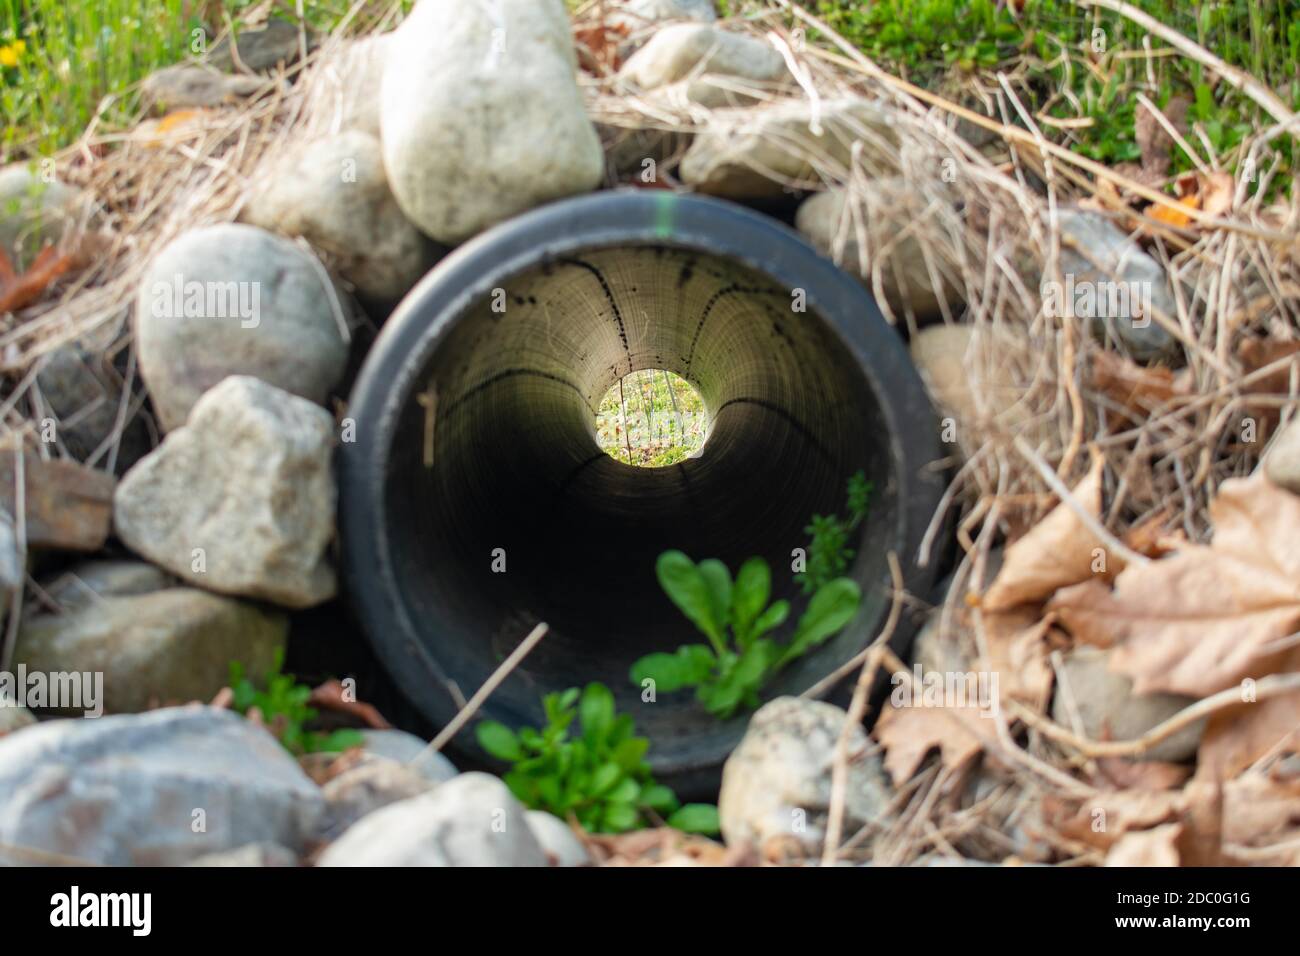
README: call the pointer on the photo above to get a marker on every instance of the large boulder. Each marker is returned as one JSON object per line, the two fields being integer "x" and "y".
{"x": 776, "y": 785}
{"x": 153, "y": 642}
{"x": 481, "y": 114}
{"x": 470, "y": 821}
{"x": 161, "y": 789}
{"x": 233, "y": 299}
{"x": 892, "y": 206}
{"x": 334, "y": 193}
{"x": 240, "y": 500}
{"x": 34, "y": 212}
{"x": 756, "y": 153}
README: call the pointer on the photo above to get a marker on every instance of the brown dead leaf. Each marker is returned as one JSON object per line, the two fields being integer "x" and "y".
{"x": 1018, "y": 654}
{"x": 1118, "y": 773}
{"x": 1056, "y": 552}
{"x": 1205, "y": 617}
{"x": 330, "y": 696}
{"x": 1153, "y": 139}
{"x": 1237, "y": 737}
{"x": 1102, "y": 819}
{"x": 1255, "y": 354}
{"x": 1136, "y": 389}
{"x": 20, "y": 291}
{"x": 908, "y": 734}
{"x": 1155, "y": 847}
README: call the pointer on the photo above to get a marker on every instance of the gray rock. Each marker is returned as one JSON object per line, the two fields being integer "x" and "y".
{"x": 171, "y": 645}
{"x": 638, "y": 13}
{"x": 160, "y": 788}
{"x": 261, "y": 48}
{"x": 1109, "y": 710}
{"x": 34, "y": 213}
{"x": 187, "y": 86}
{"x": 1097, "y": 254}
{"x": 371, "y": 785}
{"x": 252, "y": 855}
{"x": 696, "y": 60}
{"x": 557, "y": 839}
{"x": 250, "y": 303}
{"x": 1282, "y": 466}
{"x": 470, "y": 821}
{"x": 334, "y": 193}
{"x": 410, "y": 750}
{"x": 241, "y": 500}
{"x": 481, "y": 114}
{"x": 13, "y": 563}
{"x": 83, "y": 393}
{"x": 894, "y": 205}
{"x": 82, "y": 585}
{"x": 777, "y": 782}
{"x": 754, "y": 153}
{"x": 345, "y": 85}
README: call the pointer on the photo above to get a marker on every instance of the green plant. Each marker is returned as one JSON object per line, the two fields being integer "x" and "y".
{"x": 284, "y": 709}
{"x": 829, "y": 553}
{"x": 729, "y": 671}
{"x": 599, "y": 776}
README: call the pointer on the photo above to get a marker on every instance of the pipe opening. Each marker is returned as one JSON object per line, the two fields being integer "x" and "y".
{"x": 652, "y": 418}
{"x": 481, "y": 502}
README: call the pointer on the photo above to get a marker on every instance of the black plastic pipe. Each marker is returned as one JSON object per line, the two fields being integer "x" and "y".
{"x": 475, "y": 444}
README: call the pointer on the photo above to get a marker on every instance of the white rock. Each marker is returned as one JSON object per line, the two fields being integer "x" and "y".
{"x": 1109, "y": 710}
{"x": 1282, "y": 466}
{"x": 481, "y": 115}
{"x": 173, "y": 644}
{"x": 240, "y": 500}
{"x": 266, "y": 309}
{"x": 333, "y": 192}
{"x": 638, "y": 13}
{"x": 410, "y": 750}
{"x": 470, "y": 821}
{"x": 1097, "y": 254}
{"x": 371, "y": 785}
{"x": 700, "y": 59}
{"x": 133, "y": 790}
{"x": 252, "y": 855}
{"x": 777, "y": 783}
{"x": 894, "y": 204}
{"x": 751, "y": 153}
{"x": 34, "y": 212}
{"x": 557, "y": 839}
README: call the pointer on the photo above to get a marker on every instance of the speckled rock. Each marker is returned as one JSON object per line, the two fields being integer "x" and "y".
{"x": 776, "y": 785}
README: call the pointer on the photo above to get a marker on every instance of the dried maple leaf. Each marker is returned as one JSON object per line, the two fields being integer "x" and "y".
{"x": 1237, "y": 737}
{"x": 1060, "y": 550}
{"x": 908, "y": 734}
{"x": 1207, "y": 616}
{"x": 1018, "y": 653}
{"x": 1135, "y": 389}
{"x": 1155, "y": 847}
{"x": 1102, "y": 819}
